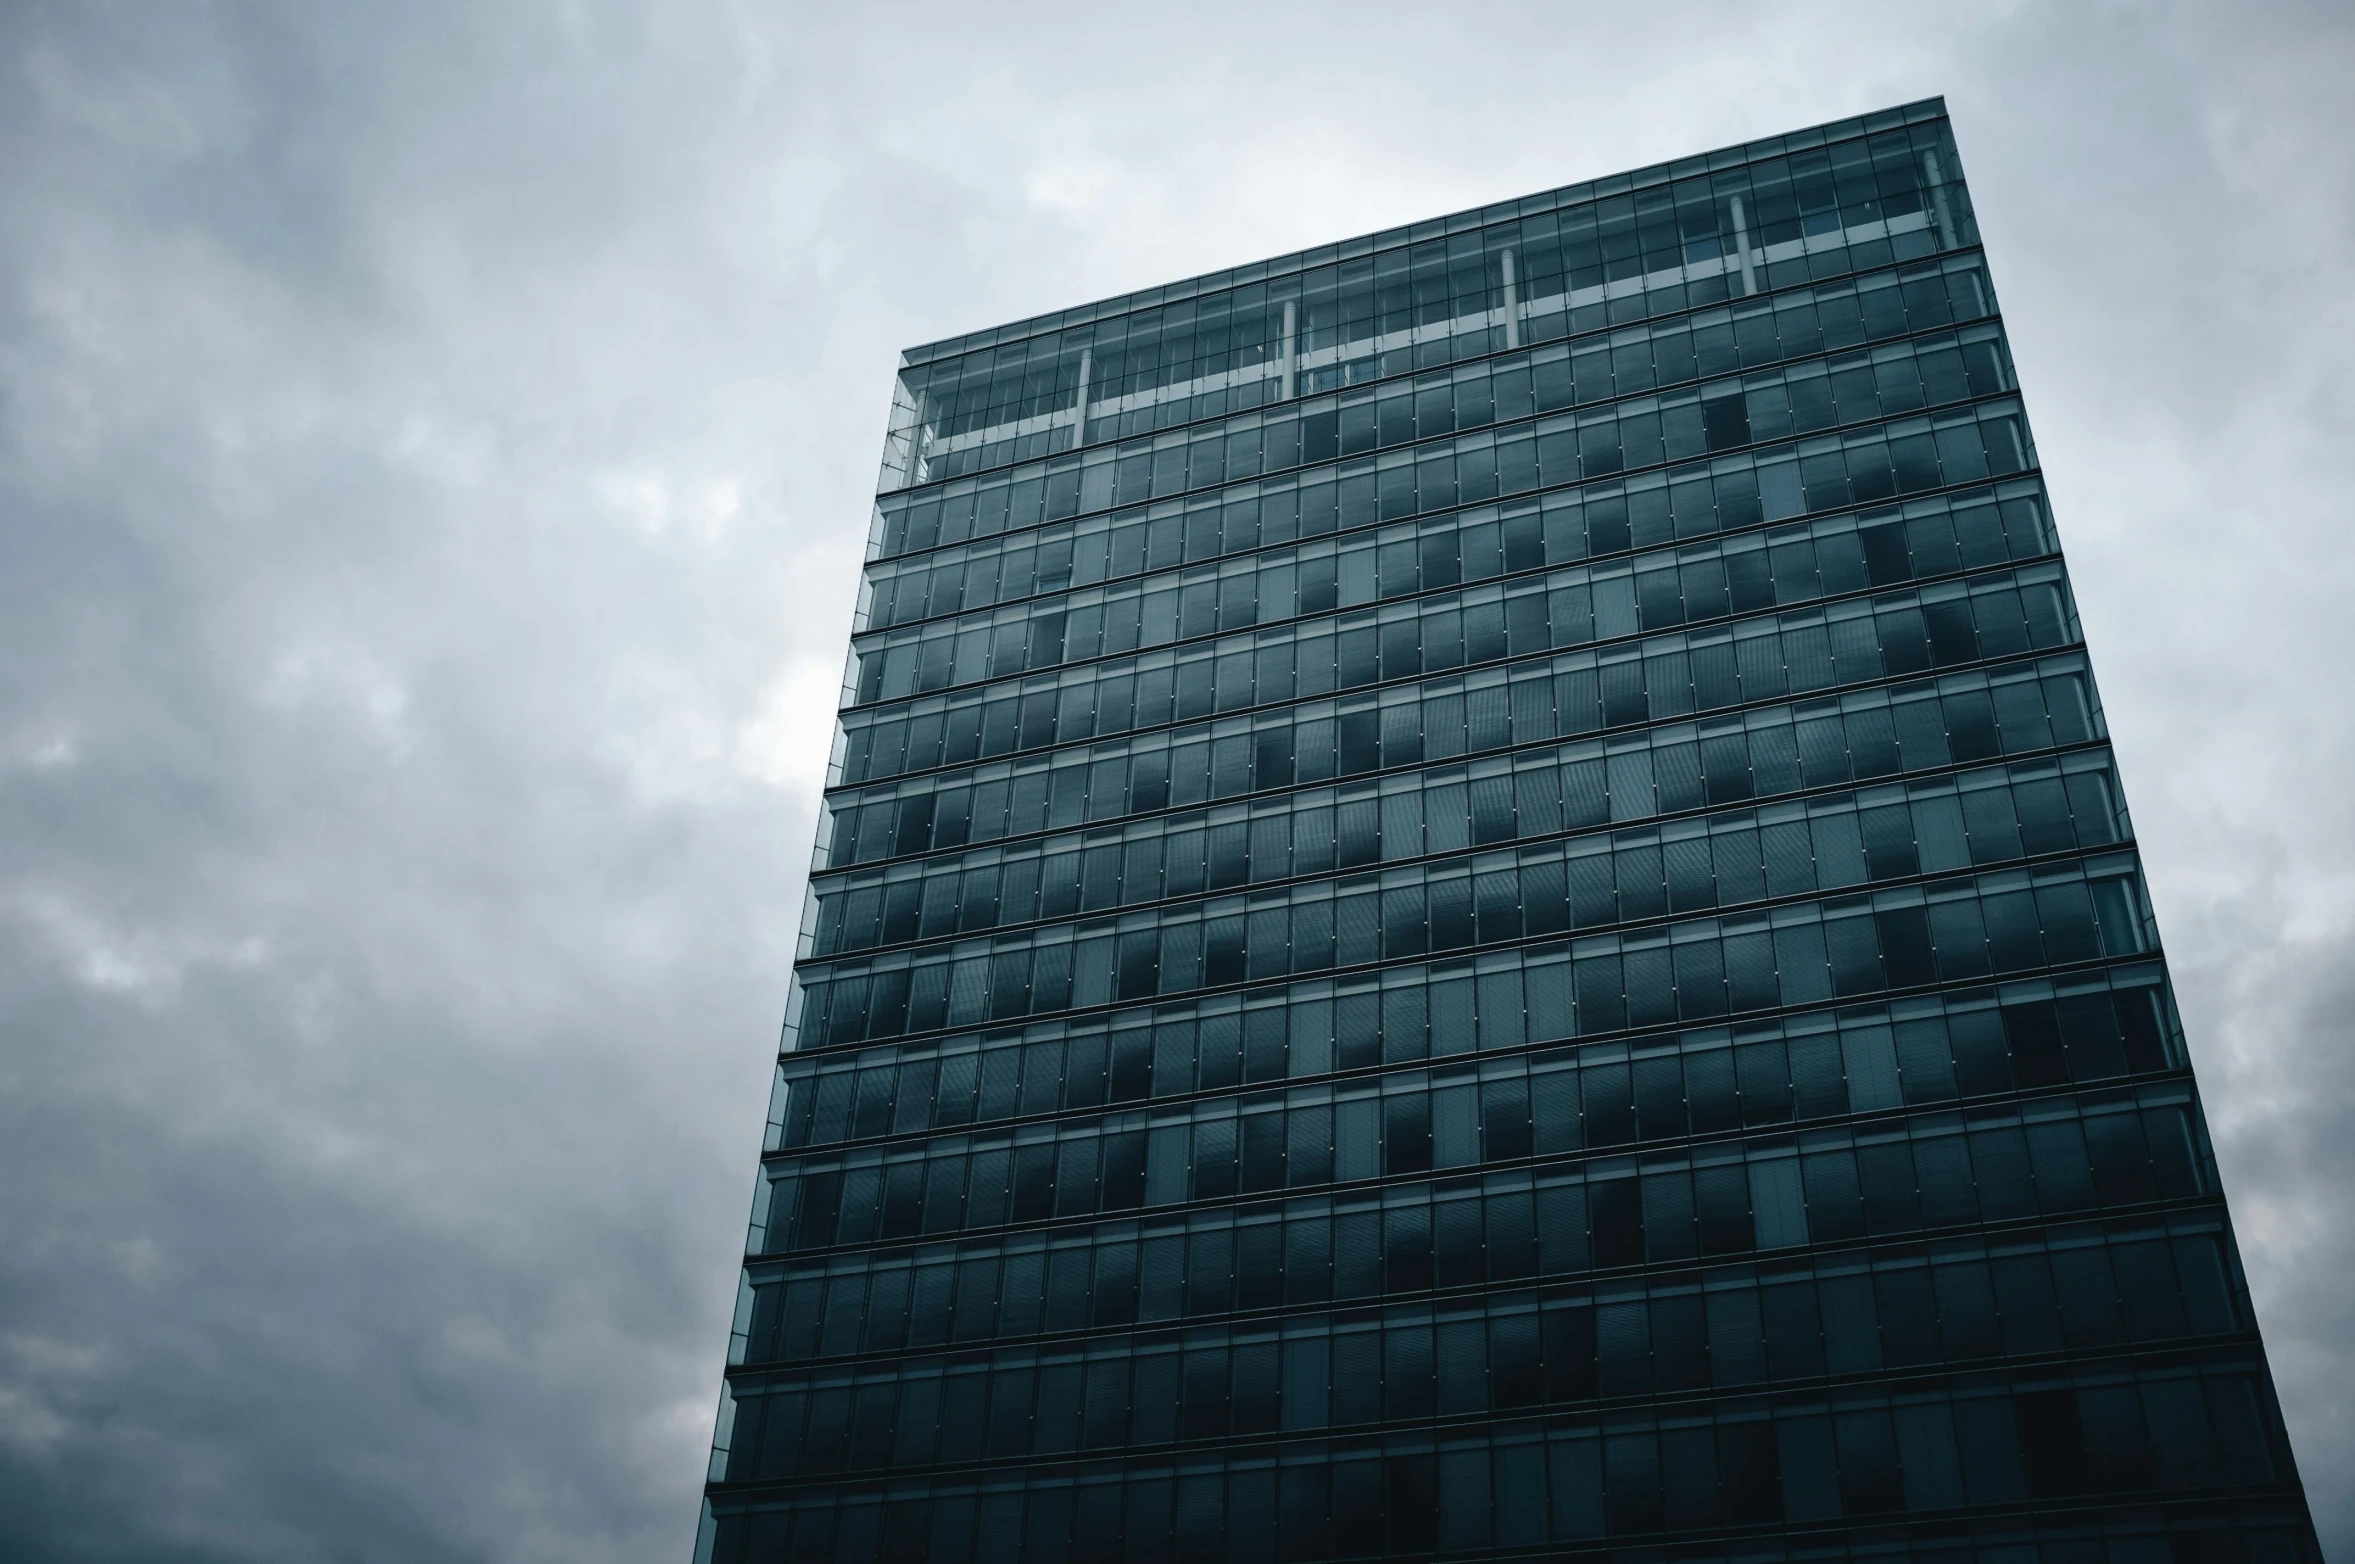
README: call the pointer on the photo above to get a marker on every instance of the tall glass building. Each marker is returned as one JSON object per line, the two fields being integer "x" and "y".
{"x": 1473, "y": 904}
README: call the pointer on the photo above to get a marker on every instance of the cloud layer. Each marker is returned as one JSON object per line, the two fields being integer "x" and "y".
{"x": 434, "y": 455}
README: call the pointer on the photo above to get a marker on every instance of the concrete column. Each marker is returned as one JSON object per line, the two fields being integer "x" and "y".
{"x": 1742, "y": 247}
{"x": 1512, "y": 304}
{"x": 1939, "y": 210}
{"x": 1291, "y": 360}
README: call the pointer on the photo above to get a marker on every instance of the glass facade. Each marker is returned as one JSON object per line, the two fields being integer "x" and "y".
{"x": 1473, "y": 904}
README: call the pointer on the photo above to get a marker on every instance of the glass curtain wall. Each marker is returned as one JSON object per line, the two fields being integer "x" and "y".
{"x": 1473, "y": 903}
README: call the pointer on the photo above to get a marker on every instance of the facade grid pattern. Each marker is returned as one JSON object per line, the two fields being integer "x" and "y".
{"x": 1473, "y": 903}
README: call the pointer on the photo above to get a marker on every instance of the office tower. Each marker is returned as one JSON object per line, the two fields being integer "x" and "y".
{"x": 1473, "y": 904}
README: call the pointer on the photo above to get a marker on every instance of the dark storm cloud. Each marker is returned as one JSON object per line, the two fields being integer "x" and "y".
{"x": 433, "y": 456}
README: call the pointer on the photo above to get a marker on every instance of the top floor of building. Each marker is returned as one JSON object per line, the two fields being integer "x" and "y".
{"x": 1699, "y": 232}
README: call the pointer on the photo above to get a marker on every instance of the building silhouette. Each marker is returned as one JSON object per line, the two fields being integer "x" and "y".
{"x": 1473, "y": 903}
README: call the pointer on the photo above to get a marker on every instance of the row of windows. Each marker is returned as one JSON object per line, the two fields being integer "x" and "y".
{"x": 1436, "y": 284}
{"x": 1828, "y": 742}
{"x": 1977, "y": 818}
{"x": 1975, "y": 1299}
{"x": 1570, "y": 608}
{"x": 1171, "y": 465}
{"x": 1808, "y": 1066}
{"x": 1480, "y": 623}
{"x": 1445, "y": 811}
{"x": 1559, "y": 527}
{"x": 1516, "y": 295}
{"x": 916, "y": 452}
{"x": 1440, "y": 280}
{"x": 2170, "y": 1429}
{"x": 1929, "y": 1179}
{"x": 1307, "y": 1148}
{"x": 1839, "y": 555}
{"x": 1406, "y": 1367}
{"x": 1549, "y": 1105}
{"x": 1007, "y": 563}
{"x": 1951, "y": 931}
{"x": 1741, "y": 575}
{"x": 1762, "y": 657}
{"x": 1091, "y": 413}
{"x": 1495, "y": 1002}
{"x": 1767, "y": 657}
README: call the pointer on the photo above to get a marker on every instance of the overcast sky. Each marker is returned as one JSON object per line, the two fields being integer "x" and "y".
{"x": 435, "y": 449}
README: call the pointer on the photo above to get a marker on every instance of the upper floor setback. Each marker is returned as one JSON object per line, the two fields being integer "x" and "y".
{"x": 1267, "y": 453}
{"x": 1759, "y": 219}
{"x": 978, "y": 541}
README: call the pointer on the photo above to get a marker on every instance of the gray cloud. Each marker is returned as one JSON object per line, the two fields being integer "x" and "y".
{"x": 434, "y": 446}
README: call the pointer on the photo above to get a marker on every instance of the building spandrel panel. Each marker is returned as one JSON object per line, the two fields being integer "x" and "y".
{"x": 1473, "y": 903}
